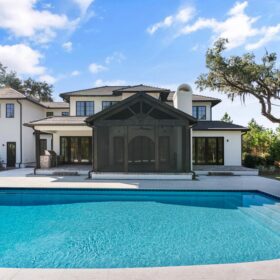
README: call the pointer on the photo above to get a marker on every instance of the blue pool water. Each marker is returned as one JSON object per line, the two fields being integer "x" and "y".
{"x": 108, "y": 229}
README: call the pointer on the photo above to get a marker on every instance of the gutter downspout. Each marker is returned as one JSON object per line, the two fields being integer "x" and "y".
{"x": 193, "y": 173}
{"x": 20, "y": 106}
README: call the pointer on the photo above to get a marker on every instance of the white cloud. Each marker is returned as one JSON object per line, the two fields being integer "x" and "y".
{"x": 48, "y": 79}
{"x": 271, "y": 33}
{"x": 83, "y": 5}
{"x": 75, "y": 73}
{"x": 67, "y": 46}
{"x": 100, "y": 83}
{"x": 22, "y": 19}
{"x": 238, "y": 27}
{"x": 96, "y": 68}
{"x": 182, "y": 16}
{"x": 22, "y": 59}
{"x": 116, "y": 56}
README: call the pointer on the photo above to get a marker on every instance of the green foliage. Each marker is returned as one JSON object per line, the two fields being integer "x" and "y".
{"x": 253, "y": 161}
{"x": 226, "y": 118}
{"x": 258, "y": 140}
{"x": 29, "y": 87}
{"x": 240, "y": 76}
{"x": 261, "y": 146}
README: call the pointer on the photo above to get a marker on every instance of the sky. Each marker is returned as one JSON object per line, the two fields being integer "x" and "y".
{"x": 78, "y": 44}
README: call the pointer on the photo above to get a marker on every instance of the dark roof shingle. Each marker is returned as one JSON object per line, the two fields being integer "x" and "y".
{"x": 218, "y": 125}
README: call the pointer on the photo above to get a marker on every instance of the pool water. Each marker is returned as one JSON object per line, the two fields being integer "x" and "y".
{"x": 110, "y": 229}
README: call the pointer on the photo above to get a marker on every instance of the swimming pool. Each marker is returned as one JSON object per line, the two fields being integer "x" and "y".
{"x": 110, "y": 229}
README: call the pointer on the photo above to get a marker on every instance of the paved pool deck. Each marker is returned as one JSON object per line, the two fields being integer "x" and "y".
{"x": 269, "y": 270}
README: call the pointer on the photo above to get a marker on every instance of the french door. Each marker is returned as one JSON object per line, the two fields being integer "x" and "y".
{"x": 76, "y": 149}
{"x": 11, "y": 154}
{"x": 208, "y": 150}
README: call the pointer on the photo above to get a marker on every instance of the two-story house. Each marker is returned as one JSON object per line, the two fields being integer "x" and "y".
{"x": 139, "y": 129}
{"x": 17, "y": 141}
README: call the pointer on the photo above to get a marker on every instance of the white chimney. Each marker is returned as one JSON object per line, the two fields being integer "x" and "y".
{"x": 182, "y": 98}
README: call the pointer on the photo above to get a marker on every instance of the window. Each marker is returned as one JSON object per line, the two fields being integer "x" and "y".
{"x": 106, "y": 104}
{"x": 84, "y": 108}
{"x": 199, "y": 112}
{"x": 10, "y": 110}
{"x": 65, "y": 114}
{"x": 49, "y": 114}
{"x": 208, "y": 150}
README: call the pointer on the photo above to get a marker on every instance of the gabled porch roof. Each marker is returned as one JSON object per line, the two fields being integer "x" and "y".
{"x": 143, "y": 98}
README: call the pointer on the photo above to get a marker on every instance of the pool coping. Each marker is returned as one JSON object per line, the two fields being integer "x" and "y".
{"x": 269, "y": 269}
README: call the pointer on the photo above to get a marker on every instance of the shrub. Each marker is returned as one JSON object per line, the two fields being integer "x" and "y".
{"x": 253, "y": 161}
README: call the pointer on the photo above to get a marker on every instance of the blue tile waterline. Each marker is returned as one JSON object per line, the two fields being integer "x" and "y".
{"x": 109, "y": 229}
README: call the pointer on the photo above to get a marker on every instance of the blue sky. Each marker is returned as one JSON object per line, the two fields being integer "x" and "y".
{"x": 78, "y": 44}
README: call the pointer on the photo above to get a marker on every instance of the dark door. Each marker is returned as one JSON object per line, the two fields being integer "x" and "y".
{"x": 118, "y": 153}
{"x": 11, "y": 154}
{"x": 141, "y": 154}
{"x": 43, "y": 146}
{"x": 75, "y": 149}
{"x": 208, "y": 150}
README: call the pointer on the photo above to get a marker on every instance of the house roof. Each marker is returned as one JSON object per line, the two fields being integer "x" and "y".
{"x": 141, "y": 96}
{"x": 112, "y": 90}
{"x": 141, "y": 88}
{"x": 10, "y": 93}
{"x": 198, "y": 98}
{"x": 218, "y": 125}
{"x": 55, "y": 105}
{"x": 68, "y": 120}
{"x": 118, "y": 90}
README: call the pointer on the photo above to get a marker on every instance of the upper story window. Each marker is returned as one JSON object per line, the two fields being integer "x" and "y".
{"x": 10, "y": 110}
{"x": 106, "y": 104}
{"x": 84, "y": 108}
{"x": 65, "y": 114}
{"x": 49, "y": 114}
{"x": 199, "y": 112}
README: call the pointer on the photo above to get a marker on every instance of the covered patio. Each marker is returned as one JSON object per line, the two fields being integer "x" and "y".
{"x": 141, "y": 135}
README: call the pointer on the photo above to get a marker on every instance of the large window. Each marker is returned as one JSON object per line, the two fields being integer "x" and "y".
{"x": 65, "y": 114}
{"x": 106, "y": 104}
{"x": 199, "y": 112}
{"x": 208, "y": 150}
{"x": 49, "y": 114}
{"x": 84, "y": 108}
{"x": 10, "y": 110}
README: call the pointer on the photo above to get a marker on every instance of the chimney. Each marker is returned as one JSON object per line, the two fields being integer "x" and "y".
{"x": 182, "y": 98}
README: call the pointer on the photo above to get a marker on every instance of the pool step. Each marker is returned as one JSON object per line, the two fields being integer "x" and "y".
{"x": 263, "y": 215}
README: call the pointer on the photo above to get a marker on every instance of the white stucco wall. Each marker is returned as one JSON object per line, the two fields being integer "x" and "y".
{"x": 56, "y": 112}
{"x": 232, "y": 144}
{"x": 97, "y": 102}
{"x": 10, "y": 130}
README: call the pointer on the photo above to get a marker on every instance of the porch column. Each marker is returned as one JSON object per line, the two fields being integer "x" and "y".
{"x": 95, "y": 157}
{"x": 37, "y": 148}
{"x": 187, "y": 148}
{"x": 156, "y": 148}
{"x": 126, "y": 149}
{"x": 92, "y": 149}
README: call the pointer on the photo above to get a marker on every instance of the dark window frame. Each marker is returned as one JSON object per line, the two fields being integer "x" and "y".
{"x": 112, "y": 102}
{"x": 195, "y": 150}
{"x": 64, "y": 114}
{"x": 49, "y": 114}
{"x": 196, "y": 115}
{"x": 83, "y": 108}
{"x": 10, "y": 110}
